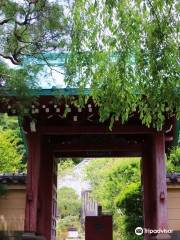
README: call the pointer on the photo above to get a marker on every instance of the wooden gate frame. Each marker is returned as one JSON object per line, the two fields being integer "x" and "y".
{"x": 49, "y": 134}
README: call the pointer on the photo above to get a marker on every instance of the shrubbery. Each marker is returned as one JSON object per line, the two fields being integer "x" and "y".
{"x": 12, "y": 150}
{"x": 129, "y": 202}
{"x": 69, "y": 205}
{"x": 173, "y": 164}
{"x": 10, "y": 158}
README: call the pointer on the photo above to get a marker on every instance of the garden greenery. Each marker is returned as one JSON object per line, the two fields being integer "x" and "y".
{"x": 116, "y": 186}
{"x": 69, "y": 205}
{"x": 12, "y": 150}
{"x": 173, "y": 163}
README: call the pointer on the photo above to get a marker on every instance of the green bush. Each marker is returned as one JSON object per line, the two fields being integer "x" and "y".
{"x": 69, "y": 206}
{"x": 112, "y": 177}
{"x": 130, "y": 204}
{"x": 68, "y": 221}
{"x": 173, "y": 163}
{"x": 69, "y": 203}
{"x": 12, "y": 150}
{"x": 10, "y": 158}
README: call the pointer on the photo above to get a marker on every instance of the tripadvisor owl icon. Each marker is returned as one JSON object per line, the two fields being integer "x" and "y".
{"x": 139, "y": 231}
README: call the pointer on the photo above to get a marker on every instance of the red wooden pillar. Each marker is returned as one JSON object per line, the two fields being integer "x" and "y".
{"x": 149, "y": 198}
{"x": 46, "y": 194}
{"x": 33, "y": 166}
{"x": 161, "y": 185}
{"x": 155, "y": 188}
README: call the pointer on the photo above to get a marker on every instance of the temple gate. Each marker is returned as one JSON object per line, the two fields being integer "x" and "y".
{"x": 50, "y": 134}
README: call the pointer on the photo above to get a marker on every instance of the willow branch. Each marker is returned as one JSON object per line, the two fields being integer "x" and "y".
{"x": 157, "y": 18}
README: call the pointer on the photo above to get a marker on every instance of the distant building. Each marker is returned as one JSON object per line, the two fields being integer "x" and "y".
{"x": 89, "y": 205}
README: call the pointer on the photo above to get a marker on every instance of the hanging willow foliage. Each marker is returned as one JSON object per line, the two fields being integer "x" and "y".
{"x": 127, "y": 53}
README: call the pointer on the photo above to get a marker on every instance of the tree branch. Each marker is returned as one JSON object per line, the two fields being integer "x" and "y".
{"x": 5, "y": 21}
{"x": 11, "y": 58}
{"x": 26, "y": 19}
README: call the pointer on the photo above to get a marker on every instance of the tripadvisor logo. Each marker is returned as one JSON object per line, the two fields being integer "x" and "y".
{"x": 139, "y": 231}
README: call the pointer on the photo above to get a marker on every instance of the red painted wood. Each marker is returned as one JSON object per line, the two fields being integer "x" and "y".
{"x": 97, "y": 154}
{"x": 46, "y": 190}
{"x": 54, "y": 201}
{"x": 149, "y": 196}
{"x": 79, "y": 147}
{"x": 154, "y": 184}
{"x": 98, "y": 228}
{"x": 34, "y": 154}
{"x": 94, "y": 129}
{"x": 161, "y": 186}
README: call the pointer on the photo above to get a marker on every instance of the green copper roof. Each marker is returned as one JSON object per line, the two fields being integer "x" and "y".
{"x": 53, "y": 58}
{"x": 60, "y": 92}
{"x": 51, "y": 92}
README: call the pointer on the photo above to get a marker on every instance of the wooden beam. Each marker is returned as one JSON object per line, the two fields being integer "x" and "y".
{"x": 58, "y": 148}
{"x": 96, "y": 154}
{"x": 96, "y": 129}
{"x": 33, "y": 166}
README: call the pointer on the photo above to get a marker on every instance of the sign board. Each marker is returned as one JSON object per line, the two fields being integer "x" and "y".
{"x": 98, "y": 227}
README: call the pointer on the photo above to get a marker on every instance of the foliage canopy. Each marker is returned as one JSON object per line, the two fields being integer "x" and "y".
{"x": 127, "y": 53}
{"x": 30, "y": 27}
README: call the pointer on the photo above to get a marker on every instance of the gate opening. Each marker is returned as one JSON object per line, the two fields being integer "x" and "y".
{"x": 99, "y": 198}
